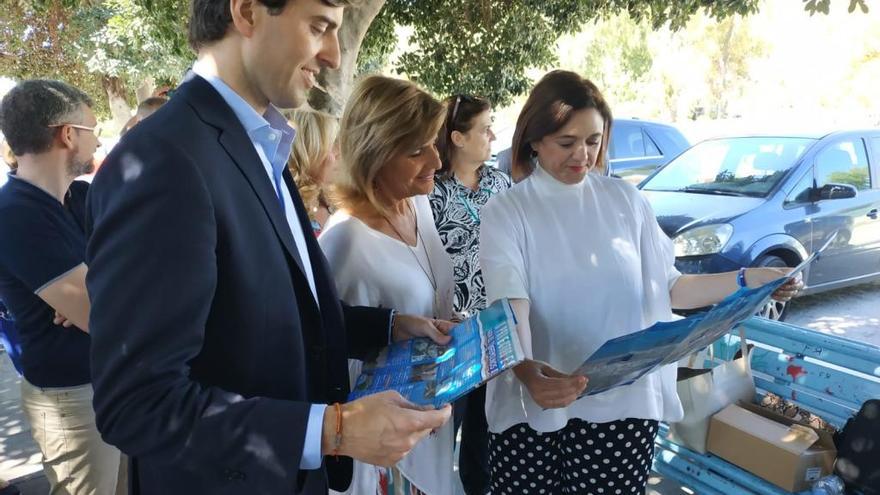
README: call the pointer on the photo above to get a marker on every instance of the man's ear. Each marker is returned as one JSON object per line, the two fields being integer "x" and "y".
{"x": 243, "y": 16}
{"x": 65, "y": 137}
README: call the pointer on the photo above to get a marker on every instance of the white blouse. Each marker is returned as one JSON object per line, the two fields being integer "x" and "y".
{"x": 594, "y": 265}
{"x": 374, "y": 269}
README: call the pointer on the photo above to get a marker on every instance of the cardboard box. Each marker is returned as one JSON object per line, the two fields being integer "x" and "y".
{"x": 788, "y": 454}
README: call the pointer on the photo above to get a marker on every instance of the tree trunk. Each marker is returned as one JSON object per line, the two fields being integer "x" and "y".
{"x": 119, "y": 108}
{"x": 338, "y": 82}
{"x": 146, "y": 89}
{"x": 724, "y": 71}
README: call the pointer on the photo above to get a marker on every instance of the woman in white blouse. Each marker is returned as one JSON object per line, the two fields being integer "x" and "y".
{"x": 384, "y": 248}
{"x": 583, "y": 260}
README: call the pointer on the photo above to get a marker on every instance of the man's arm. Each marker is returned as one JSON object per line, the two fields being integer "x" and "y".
{"x": 152, "y": 277}
{"x": 366, "y": 329}
{"x": 46, "y": 262}
{"x": 68, "y": 296}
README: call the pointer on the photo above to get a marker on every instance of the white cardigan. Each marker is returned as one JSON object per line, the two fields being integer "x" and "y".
{"x": 373, "y": 269}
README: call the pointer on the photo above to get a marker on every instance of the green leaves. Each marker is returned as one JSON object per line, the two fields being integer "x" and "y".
{"x": 132, "y": 42}
{"x": 824, "y": 6}
{"x": 486, "y": 47}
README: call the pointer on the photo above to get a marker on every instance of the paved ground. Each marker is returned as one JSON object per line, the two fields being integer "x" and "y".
{"x": 19, "y": 456}
{"x": 852, "y": 313}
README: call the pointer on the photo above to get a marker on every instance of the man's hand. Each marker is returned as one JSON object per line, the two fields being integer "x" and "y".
{"x": 380, "y": 429}
{"x": 548, "y": 387}
{"x": 756, "y": 277}
{"x": 410, "y": 326}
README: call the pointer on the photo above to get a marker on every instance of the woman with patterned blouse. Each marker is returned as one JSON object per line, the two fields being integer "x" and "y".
{"x": 462, "y": 186}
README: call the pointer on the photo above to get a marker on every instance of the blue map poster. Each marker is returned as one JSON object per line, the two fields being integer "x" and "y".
{"x": 623, "y": 360}
{"x": 429, "y": 374}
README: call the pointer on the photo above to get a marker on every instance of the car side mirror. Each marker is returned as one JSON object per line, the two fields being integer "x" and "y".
{"x": 834, "y": 191}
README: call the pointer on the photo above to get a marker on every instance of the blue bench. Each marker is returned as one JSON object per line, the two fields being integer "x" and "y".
{"x": 825, "y": 374}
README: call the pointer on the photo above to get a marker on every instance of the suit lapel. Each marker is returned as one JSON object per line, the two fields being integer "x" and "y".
{"x": 241, "y": 150}
{"x": 235, "y": 141}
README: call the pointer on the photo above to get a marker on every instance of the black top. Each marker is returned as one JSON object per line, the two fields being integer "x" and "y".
{"x": 40, "y": 241}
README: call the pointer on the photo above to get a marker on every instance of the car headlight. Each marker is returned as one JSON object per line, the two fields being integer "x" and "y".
{"x": 702, "y": 240}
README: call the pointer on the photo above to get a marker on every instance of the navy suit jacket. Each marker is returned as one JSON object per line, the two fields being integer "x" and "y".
{"x": 207, "y": 345}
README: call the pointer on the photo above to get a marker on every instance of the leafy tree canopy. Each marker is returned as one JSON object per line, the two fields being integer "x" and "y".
{"x": 480, "y": 46}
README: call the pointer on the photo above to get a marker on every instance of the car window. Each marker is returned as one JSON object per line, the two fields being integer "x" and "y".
{"x": 844, "y": 162}
{"x": 734, "y": 166}
{"x": 627, "y": 142}
{"x": 801, "y": 191}
{"x": 875, "y": 145}
{"x": 651, "y": 148}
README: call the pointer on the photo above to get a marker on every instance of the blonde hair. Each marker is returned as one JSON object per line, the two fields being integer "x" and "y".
{"x": 315, "y": 137}
{"x": 383, "y": 118}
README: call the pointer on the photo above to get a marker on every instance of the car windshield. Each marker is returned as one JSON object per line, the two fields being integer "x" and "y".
{"x": 732, "y": 167}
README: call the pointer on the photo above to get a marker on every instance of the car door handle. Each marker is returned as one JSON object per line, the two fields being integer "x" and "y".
{"x": 873, "y": 214}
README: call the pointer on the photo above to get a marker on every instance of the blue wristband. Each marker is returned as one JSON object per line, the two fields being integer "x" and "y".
{"x": 741, "y": 278}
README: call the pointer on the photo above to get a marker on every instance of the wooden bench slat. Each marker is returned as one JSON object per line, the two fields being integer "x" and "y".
{"x": 803, "y": 375}
{"x": 849, "y": 354}
{"x": 711, "y": 470}
{"x": 831, "y": 378}
{"x": 833, "y": 412}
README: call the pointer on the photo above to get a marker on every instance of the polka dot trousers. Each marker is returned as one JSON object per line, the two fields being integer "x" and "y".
{"x": 585, "y": 458}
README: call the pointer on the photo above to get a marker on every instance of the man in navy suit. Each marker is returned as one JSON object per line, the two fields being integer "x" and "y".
{"x": 219, "y": 346}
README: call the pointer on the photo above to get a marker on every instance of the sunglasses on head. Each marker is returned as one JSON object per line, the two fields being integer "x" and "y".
{"x": 458, "y": 100}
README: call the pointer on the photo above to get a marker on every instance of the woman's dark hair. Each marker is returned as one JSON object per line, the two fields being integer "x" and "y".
{"x": 557, "y": 96}
{"x": 209, "y": 19}
{"x": 460, "y": 113}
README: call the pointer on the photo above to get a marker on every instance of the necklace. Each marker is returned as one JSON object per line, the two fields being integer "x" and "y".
{"x": 429, "y": 272}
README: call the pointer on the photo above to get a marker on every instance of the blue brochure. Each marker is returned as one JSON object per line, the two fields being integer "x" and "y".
{"x": 429, "y": 374}
{"x": 623, "y": 360}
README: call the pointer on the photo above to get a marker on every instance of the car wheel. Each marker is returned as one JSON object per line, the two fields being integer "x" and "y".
{"x": 773, "y": 310}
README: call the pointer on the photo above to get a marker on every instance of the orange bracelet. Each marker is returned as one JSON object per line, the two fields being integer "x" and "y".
{"x": 338, "y": 442}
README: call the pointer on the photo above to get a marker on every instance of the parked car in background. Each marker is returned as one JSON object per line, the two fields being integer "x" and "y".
{"x": 638, "y": 147}
{"x": 772, "y": 200}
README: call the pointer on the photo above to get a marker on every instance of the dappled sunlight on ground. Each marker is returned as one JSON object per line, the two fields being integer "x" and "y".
{"x": 853, "y": 313}
{"x": 19, "y": 455}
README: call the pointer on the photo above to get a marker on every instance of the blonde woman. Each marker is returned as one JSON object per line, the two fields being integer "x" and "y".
{"x": 384, "y": 247}
{"x": 313, "y": 161}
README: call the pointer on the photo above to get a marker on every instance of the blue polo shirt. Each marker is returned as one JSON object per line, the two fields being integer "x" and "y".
{"x": 40, "y": 241}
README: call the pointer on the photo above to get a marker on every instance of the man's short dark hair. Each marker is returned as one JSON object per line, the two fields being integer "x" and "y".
{"x": 28, "y": 110}
{"x": 150, "y": 105}
{"x": 209, "y": 19}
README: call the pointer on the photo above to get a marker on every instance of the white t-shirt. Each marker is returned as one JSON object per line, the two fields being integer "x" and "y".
{"x": 594, "y": 265}
{"x": 374, "y": 269}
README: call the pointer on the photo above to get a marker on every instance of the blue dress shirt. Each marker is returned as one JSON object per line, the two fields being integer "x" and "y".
{"x": 273, "y": 138}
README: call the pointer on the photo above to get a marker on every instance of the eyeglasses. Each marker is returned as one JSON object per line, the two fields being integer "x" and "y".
{"x": 94, "y": 129}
